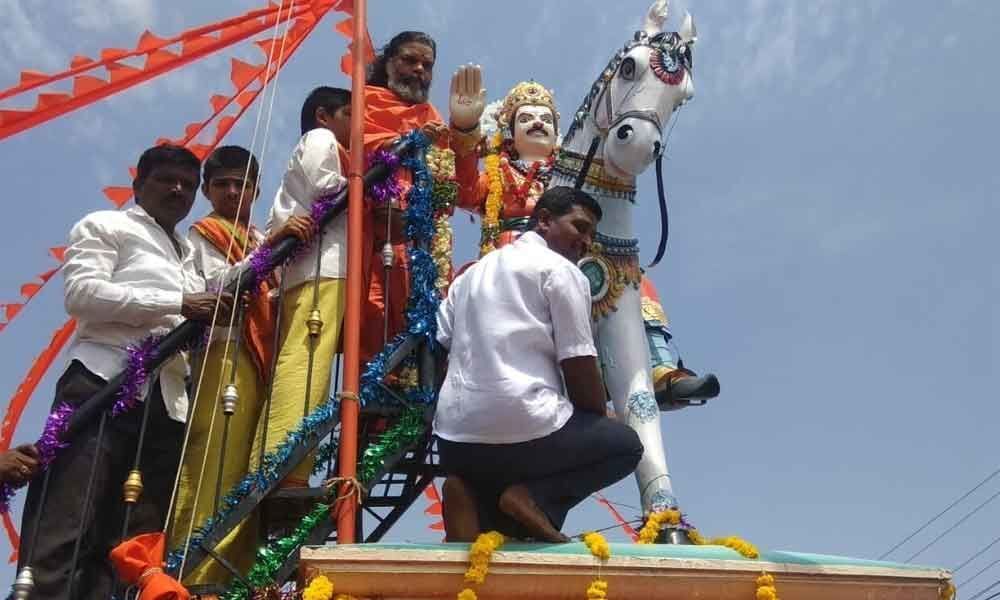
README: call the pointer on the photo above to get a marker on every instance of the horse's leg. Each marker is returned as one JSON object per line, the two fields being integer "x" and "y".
{"x": 621, "y": 342}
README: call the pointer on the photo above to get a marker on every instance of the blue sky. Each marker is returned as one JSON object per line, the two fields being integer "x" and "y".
{"x": 831, "y": 190}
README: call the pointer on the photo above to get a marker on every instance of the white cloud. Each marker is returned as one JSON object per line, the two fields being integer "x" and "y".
{"x": 104, "y": 15}
{"x": 23, "y": 40}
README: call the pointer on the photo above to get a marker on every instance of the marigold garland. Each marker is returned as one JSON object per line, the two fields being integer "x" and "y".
{"x": 654, "y": 524}
{"x": 467, "y": 594}
{"x": 765, "y": 587}
{"x": 480, "y": 553}
{"x": 948, "y": 590}
{"x": 320, "y": 588}
{"x": 494, "y": 199}
{"x": 598, "y": 546}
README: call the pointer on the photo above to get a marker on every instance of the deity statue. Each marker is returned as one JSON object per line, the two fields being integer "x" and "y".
{"x": 519, "y": 149}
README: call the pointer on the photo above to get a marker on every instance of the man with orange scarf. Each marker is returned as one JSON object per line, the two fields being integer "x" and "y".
{"x": 396, "y": 98}
{"x": 236, "y": 361}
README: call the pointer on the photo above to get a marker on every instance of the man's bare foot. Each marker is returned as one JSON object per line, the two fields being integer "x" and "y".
{"x": 461, "y": 516}
{"x": 517, "y": 503}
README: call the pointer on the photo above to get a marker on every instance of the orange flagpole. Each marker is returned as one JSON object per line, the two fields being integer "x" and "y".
{"x": 349, "y": 405}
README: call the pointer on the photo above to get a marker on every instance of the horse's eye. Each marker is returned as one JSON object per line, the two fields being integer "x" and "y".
{"x": 628, "y": 69}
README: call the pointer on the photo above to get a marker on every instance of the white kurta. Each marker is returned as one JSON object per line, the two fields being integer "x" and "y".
{"x": 313, "y": 171}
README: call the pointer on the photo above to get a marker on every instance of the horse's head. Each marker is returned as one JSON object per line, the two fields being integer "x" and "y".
{"x": 643, "y": 84}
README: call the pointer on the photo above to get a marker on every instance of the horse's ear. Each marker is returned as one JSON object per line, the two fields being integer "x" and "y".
{"x": 656, "y": 17}
{"x": 688, "y": 32}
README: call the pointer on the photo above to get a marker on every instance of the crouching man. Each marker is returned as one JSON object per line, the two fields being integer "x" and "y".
{"x": 521, "y": 423}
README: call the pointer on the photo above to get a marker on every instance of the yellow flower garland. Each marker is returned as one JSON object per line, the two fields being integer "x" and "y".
{"x": 655, "y": 522}
{"x": 480, "y": 554}
{"x": 651, "y": 530}
{"x": 598, "y": 546}
{"x": 948, "y": 591}
{"x": 765, "y": 587}
{"x": 321, "y": 588}
{"x": 494, "y": 199}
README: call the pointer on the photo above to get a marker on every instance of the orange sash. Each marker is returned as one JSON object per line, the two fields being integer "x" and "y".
{"x": 258, "y": 326}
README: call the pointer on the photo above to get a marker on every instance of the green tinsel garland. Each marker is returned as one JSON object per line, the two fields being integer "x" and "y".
{"x": 409, "y": 429}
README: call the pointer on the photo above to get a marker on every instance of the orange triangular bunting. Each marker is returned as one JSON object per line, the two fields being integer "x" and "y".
{"x": 243, "y": 73}
{"x": 225, "y": 124}
{"x": 192, "y": 130}
{"x": 133, "y": 172}
{"x": 219, "y": 102}
{"x": 439, "y": 526}
{"x": 9, "y": 116}
{"x": 196, "y": 43}
{"x": 121, "y": 71}
{"x": 118, "y": 195}
{"x": 83, "y": 84}
{"x": 247, "y": 97}
{"x": 268, "y": 47}
{"x": 199, "y": 150}
{"x": 28, "y": 77}
{"x": 46, "y": 276}
{"x": 234, "y": 31}
{"x": 59, "y": 252}
{"x": 11, "y": 310}
{"x": 112, "y": 53}
{"x": 148, "y": 41}
{"x": 159, "y": 57}
{"x": 48, "y": 100}
{"x": 30, "y": 289}
{"x": 80, "y": 60}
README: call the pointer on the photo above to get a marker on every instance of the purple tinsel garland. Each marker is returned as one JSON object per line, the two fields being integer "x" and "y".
{"x": 389, "y": 188}
{"x": 139, "y": 356}
{"x": 47, "y": 445}
{"x": 136, "y": 374}
{"x": 260, "y": 264}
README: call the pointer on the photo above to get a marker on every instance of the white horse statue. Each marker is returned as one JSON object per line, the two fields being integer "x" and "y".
{"x": 621, "y": 125}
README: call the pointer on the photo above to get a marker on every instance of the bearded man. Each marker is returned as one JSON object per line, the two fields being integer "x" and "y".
{"x": 519, "y": 157}
{"x": 396, "y": 102}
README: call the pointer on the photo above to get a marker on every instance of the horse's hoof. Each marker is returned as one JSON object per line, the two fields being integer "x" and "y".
{"x": 670, "y": 535}
{"x": 688, "y": 391}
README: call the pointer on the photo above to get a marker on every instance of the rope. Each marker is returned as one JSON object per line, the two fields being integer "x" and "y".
{"x": 196, "y": 389}
{"x": 351, "y": 484}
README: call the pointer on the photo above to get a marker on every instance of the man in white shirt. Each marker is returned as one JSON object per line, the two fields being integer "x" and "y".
{"x": 521, "y": 420}
{"x": 126, "y": 275}
{"x": 315, "y": 280}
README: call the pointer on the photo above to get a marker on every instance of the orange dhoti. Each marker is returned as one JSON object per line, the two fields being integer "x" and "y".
{"x": 387, "y": 117}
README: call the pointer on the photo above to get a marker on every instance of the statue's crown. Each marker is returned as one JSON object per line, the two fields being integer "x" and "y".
{"x": 523, "y": 94}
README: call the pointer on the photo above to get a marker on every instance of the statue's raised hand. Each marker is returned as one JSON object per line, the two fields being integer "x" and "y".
{"x": 468, "y": 97}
